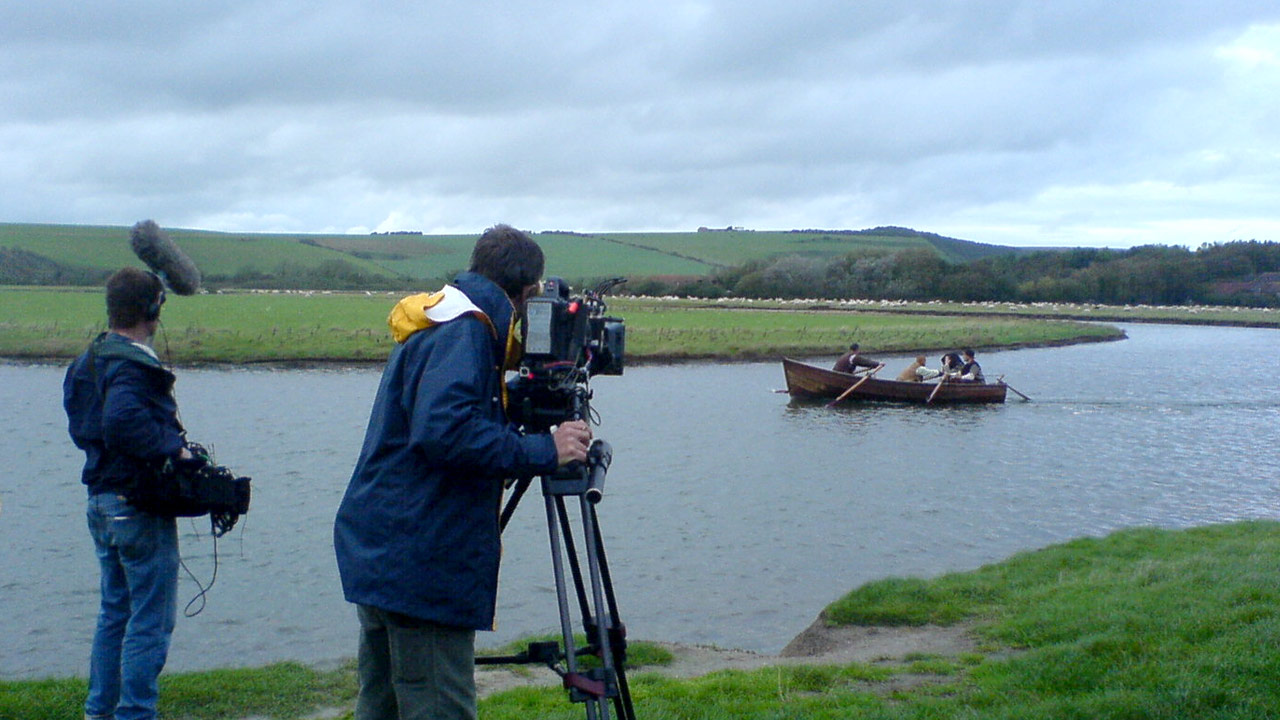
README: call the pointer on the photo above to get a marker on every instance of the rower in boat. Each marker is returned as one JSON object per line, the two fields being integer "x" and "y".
{"x": 852, "y": 360}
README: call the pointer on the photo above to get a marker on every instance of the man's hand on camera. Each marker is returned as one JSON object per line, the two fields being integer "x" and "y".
{"x": 572, "y": 439}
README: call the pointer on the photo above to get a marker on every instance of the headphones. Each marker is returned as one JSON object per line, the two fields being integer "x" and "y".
{"x": 152, "y": 312}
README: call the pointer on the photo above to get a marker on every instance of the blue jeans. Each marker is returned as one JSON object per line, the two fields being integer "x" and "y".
{"x": 138, "y": 554}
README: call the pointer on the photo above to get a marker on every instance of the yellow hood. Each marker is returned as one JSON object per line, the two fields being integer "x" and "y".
{"x": 424, "y": 310}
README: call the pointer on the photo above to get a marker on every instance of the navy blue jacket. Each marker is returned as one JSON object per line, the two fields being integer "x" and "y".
{"x": 417, "y": 531}
{"x": 120, "y": 411}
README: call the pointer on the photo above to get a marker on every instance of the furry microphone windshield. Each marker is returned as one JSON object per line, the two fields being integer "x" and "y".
{"x": 154, "y": 248}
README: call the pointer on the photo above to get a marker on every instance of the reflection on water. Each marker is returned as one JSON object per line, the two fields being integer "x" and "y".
{"x": 732, "y": 515}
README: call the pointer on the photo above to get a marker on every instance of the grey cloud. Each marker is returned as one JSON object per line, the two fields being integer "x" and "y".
{"x": 333, "y": 115}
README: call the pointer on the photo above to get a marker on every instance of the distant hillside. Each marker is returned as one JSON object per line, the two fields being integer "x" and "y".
{"x": 81, "y": 254}
{"x": 23, "y": 267}
{"x": 952, "y": 249}
{"x": 216, "y": 253}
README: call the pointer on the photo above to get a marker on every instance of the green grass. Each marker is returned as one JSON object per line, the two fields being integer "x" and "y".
{"x": 1184, "y": 314}
{"x": 569, "y": 256}
{"x": 726, "y": 248}
{"x": 1143, "y": 623}
{"x": 286, "y": 327}
{"x": 208, "y": 328}
{"x": 283, "y": 690}
{"x": 671, "y": 331}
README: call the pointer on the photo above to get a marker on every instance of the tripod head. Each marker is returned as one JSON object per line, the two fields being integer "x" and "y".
{"x": 585, "y": 479}
{"x": 545, "y": 400}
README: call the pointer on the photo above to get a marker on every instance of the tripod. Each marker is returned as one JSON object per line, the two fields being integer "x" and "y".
{"x": 606, "y": 636}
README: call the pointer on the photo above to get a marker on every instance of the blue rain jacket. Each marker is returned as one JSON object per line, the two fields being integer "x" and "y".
{"x": 417, "y": 531}
{"x": 120, "y": 411}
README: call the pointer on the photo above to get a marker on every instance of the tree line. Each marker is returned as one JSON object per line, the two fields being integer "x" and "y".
{"x": 1245, "y": 273}
{"x": 1232, "y": 273}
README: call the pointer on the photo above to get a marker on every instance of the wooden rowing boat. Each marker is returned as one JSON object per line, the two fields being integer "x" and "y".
{"x": 815, "y": 383}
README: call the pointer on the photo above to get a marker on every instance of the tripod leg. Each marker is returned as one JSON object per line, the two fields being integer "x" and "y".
{"x": 591, "y": 692}
{"x": 574, "y": 567}
{"x": 557, "y": 566}
{"x": 622, "y": 702}
{"x": 603, "y": 621}
{"x": 599, "y": 612}
{"x": 516, "y": 493}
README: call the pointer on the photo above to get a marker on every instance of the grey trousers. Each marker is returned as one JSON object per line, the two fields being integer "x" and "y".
{"x": 413, "y": 669}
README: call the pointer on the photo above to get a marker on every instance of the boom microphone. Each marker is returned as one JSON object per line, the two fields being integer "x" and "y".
{"x": 154, "y": 248}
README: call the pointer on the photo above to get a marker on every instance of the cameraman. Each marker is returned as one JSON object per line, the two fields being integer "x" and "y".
{"x": 122, "y": 414}
{"x": 416, "y": 535}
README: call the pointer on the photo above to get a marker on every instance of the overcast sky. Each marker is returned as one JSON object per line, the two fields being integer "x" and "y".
{"x": 1100, "y": 123}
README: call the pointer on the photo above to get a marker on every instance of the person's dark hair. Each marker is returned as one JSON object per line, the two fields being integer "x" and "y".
{"x": 509, "y": 257}
{"x": 133, "y": 296}
{"x": 854, "y": 347}
{"x": 968, "y": 352}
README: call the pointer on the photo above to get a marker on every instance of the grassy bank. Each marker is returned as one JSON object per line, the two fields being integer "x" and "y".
{"x": 284, "y": 327}
{"x": 659, "y": 329}
{"x": 1180, "y": 314}
{"x": 1143, "y": 623}
{"x": 281, "y": 690}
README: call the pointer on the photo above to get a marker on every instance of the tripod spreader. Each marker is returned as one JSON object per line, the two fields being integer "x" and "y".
{"x": 546, "y": 653}
{"x": 596, "y": 683}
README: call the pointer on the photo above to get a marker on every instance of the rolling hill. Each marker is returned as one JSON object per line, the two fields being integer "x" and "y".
{"x": 84, "y": 254}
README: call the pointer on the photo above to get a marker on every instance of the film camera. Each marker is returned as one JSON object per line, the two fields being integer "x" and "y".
{"x": 567, "y": 341}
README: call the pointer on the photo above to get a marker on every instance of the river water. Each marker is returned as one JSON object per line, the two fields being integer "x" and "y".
{"x": 732, "y": 516}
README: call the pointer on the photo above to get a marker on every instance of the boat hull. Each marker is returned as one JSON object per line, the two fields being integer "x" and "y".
{"x": 815, "y": 383}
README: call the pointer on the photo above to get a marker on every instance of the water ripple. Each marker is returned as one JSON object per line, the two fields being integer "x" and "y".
{"x": 732, "y": 515}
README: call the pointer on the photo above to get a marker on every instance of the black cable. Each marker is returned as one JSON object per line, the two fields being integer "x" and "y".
{"x": 204, "y": 589}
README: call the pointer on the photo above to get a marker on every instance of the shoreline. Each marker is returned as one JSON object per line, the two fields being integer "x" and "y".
{"x": 818, "y": 644}
{"x": 647, "y": 360}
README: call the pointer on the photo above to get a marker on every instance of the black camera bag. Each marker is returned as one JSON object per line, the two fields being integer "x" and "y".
{"x": 190, "y": 488}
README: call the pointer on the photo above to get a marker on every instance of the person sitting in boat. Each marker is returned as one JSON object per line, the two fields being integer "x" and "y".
{"x": 951, "y": 367}
{"x": 970, "y": 370}
{"x": 916, "y": 371}
{"x": 852, "y": 360}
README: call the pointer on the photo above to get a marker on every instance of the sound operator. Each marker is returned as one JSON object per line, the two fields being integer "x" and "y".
{"x": 122, "y": 414}
{"x": 416, "y": 535}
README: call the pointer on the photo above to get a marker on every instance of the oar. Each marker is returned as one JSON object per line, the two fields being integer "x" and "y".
{"x": 1015, "y": 390}
{"x": 854, "y": 386}
{"x": 941, "y": 379}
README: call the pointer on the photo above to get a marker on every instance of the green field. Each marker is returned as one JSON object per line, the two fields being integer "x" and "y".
{"x": 569, "y": 256}
{"x": 737, "y": 247}
{"x": 108, "y": 248}
{"x": 660, "y": 329}
{"x": 575, "y": 256}
{"x": 1181, "y": 314}
{"x": 43, "y": 323}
